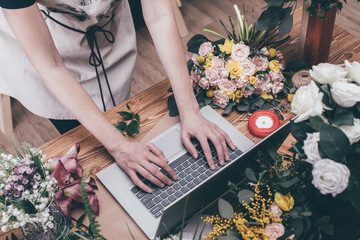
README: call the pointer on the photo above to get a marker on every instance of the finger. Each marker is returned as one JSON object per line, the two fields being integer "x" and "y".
{"x": 146, "y": 171}
{"x": 155, "y": 172}
{"x": 154, "y": 149}
{"x": 207, "y": 152}
{"x": 223, "y": 136}
{"x": 189, "y": 146}
{"x": 229, "y": 142}
{"x": 136, "y": 180}
{"x": 166, "y": 167}
{"x": 217, "y": 142}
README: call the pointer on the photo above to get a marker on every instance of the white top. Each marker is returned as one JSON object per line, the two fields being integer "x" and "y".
{"x": 19, "y": 79}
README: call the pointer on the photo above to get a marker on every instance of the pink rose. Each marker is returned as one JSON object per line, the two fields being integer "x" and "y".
{"x": 224, "y": 73}
{"x": 260, "y": 87}
{"x": 220, "y": 99}
{"x": 227, "y": 86}
{"x": 243, "y": 81}
{"x": 213, "y": 76}
{"x": 291, "y": 237}
{"x": 276, "y": 76}
{"x": 217, "y": 62}
{"x": 261, "y": 63}
{"x": 277, "y": 87}
{"x": 194, "y": 58}
{"x": 274, "y": 230}
{"x": 275, "y": 210}
{"x": 204, "y": 83}
{"x": 236, "y": 83}
{"x": 247, "y": 93}
{"x": 240, "y": 52}
{"x": 264, "y": 51}
{"x": 249, "y": 68}
{"x": 206, "y": 48}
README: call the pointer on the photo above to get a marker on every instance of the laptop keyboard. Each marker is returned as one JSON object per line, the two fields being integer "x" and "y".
{"x": 191, "y": 172}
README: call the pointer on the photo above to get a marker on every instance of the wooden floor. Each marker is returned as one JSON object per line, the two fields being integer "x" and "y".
{"x": 198, "y": 14}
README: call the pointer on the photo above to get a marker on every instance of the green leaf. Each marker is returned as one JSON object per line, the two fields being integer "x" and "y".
{"x": 333, "y": 142}
{"x": 228, "y": 108}
{"x": 269, "y": 19}
{"x": 290, "y": 182}
{"x": 171, "y": 103}
{"x": 80, "y": 221}
{"x": 121, "y": 126}
{"x": 343, "y": 119}
{"x": 133, "y": 127}
{"x": 286, "y": 24}
{"x": 243, "y": 106}
{"x": 299, "y": 130}
{"x": 13, "y": 237}
{"x": 298, "y": 227}
{"x": 249, "y": 173}
{"x": 126, "y": 115}
{"x": 354, "y": 185}
{"x": 245, "y": 196}
{"x": 194, "y": 43}
{"x": 225, "y": 209}
{"x": 275, "y": 3}
{"x": 228, "y": 238}
{"x": 128, "y": 107}
{"x": 315, "y": 123}
{"x": 28, "y": 207}
{"x": 137, "y": 117}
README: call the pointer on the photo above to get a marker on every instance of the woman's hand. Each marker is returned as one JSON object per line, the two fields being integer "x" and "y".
{"x": 137, "y": 157}
{"x": 194, "y": 125}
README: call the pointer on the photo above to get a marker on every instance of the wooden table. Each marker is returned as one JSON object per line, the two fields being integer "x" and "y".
{"x": 151, "y": 105}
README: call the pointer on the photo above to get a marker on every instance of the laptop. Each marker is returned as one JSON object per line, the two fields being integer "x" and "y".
{"x": 163, "y": 210}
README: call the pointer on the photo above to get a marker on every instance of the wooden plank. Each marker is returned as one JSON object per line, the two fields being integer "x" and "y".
{"x": 6, "y": 124}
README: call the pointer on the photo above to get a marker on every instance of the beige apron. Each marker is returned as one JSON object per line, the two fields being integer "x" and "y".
{"x": 19, "y": 79}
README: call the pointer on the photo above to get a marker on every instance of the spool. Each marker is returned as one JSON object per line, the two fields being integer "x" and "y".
{"x": 263, "y": 122}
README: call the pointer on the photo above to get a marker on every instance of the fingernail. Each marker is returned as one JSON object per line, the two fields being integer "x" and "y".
{"x": 162, "y": 185}
{"x": 169, "y": 183}
{"x": 195, "y": 156}
{"x": 213, "y": 167}
{"x": 227, "y": 158}
{"x": 149, "y": 190}
{"x": 175, "y": 177}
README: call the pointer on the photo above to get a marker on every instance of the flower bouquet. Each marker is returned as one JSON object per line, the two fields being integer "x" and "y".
{"x": 328, "y": 129}
{"x": 27, "y": 193}
{"x": 238, "y": 71}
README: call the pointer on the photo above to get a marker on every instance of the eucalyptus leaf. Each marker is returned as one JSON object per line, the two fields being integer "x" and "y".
{"x": 228, "y": 108}
{"x": 243, "y": 106}
{"x": 286, "y": 23}
{"x": 231, "y": 232}
{"x": 126, "y": 115}
{"x": 225, "y": 209}
{"x": 133, "y": 127}
{"x": 228, "y": 238}
{"x": 245, "y": 195}
{"x": 249, "y": 173}
{"x": 207, "y": 100}
{"x": 333, "y": 142}
{"x": 121, "y": 126}
{"x": 290, "y": 182}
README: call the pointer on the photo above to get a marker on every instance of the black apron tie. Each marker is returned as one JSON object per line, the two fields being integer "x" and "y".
{"x": 95, "y": 58}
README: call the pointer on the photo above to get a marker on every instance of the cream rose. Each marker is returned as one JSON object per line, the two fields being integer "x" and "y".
{"x": 213, "y": 76}
{"x": 353, "y": 71}
{"x": 220, "y": 99}
{"x": 240, "y": 51}
{"x": 206, "y": 48}
{"x": 275, "y": 210}
{"x": 227, "y": 86}
{"x": 261, "y": 63}
{"x": 326, "y": 73}
{"x": 345, "y": 94}
{"x": 311, "y": 147}
{"x": 274, "y": 230}
{"x": 307, "y": 102}
{"x": 352, "y": 132}
{"x": 330, "y": 176}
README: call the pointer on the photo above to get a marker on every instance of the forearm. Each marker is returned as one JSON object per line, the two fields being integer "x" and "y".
{"x": 163, "y": 29}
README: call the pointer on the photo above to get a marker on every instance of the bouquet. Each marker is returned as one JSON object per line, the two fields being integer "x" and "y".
{"x": 26, "y": 190}
{"x": 328, "y": 129}
{"x": 239, "y": 71}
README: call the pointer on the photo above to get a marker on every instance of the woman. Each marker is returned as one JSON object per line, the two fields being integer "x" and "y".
{"x": 45, "y": 64}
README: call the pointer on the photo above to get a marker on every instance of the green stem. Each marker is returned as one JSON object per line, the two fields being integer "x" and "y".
{"x": 215, "y": 33}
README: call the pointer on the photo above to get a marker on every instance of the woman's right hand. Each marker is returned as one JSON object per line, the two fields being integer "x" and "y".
{"x": 137, "y": 157}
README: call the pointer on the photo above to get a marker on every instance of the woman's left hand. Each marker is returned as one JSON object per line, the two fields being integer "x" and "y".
{"x": 194, "y": 125}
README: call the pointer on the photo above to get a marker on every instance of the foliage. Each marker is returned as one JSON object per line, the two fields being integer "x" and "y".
{"x": 134, "y": 122}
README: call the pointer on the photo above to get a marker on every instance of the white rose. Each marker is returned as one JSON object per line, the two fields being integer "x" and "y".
{"x": 345, "y": 94}
{"x": 353, "y": 70}
{"x": 330, "y": 176}
{"x": 275, "y": 210}
{"x": 352, "y": 132}
{"x": 326, "y": 73}
{"x": 311, "y": 147}
{"x": 274, "y": 230}
{"x": 307, "y": 102}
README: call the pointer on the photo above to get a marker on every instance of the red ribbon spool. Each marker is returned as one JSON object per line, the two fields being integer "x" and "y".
{"x": 263, "y": 122}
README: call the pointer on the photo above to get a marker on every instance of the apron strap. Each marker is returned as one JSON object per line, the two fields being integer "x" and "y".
{"x": 95, "y": 58}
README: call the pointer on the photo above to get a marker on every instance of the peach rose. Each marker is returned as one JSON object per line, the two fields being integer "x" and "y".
{"x": 220, "y": 99}
{"x": 206, "y": 48}
{"x": 261, "y": 63}
{"x": 240, "y": 52}
{"x": 274, "y": 230}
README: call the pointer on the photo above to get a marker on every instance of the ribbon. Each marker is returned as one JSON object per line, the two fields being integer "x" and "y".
{"x": 95, "y": 58}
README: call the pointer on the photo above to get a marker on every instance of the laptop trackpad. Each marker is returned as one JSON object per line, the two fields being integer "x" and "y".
{"x": 170, "y": 143}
